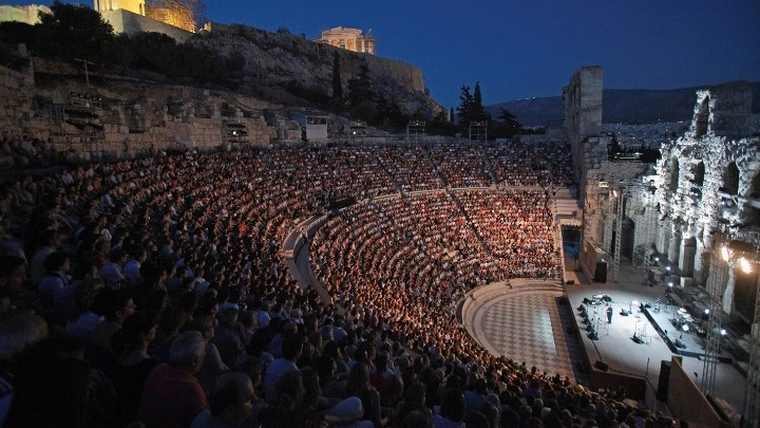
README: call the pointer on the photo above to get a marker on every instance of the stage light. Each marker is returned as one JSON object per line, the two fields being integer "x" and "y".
{"x": 707, "y": 312}
{"x": 657, "y": 259}
{"x": 685, "y": 327}
{"x": 745, "y": 265}
{"x": 670, "y": 284}
{"x": 725, "y": 253}
{"x": 667, "y": 268}
{"x": 723, "y": 332}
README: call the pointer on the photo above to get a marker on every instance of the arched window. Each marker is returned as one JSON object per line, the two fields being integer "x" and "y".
{"x": 703, "y": 116}
{"x": 699, "y": 174}
{"x": 731, "y": 179}
{"x": 675, "y": 171}
{"x": 751, "y": 213}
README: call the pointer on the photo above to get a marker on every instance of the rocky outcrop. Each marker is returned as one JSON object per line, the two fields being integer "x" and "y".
{"x": 286, "y": 60}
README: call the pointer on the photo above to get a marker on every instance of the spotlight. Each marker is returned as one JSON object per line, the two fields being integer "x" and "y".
{"x": 723, "y": 332}
{"x": 725, "y": 253}
{"x": 707, "y": 312}
{"x": 745, "y": 265}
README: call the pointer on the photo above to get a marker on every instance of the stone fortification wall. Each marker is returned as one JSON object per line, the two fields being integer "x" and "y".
{"x": 283, "y": 59}
{"x": 28, "y": 14}
{"x": 124, "y": 21}
{"x": 123, "y": 118}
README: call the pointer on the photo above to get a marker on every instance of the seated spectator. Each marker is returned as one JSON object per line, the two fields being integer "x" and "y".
{"x": 231, "y": 404}
{"x": 56, "y": 290}
{"x": 452, "y": 410}
{"x": 172, "y": 396}
{"x": 118, "y": 307}
{"x": 12, "y": 276}
{"x": 292, "y": 346}
{"x": 133, "y": 363}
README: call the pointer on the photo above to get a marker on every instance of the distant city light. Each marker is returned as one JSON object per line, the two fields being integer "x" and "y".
{"x": 723, "y": 332}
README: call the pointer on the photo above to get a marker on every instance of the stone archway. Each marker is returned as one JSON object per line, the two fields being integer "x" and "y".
{"x": 731, "y": 180}
{"x": 751, "y": 209}
{"x": 675, "y": 171}
{"x": 688, "y": 257}
{"x": 699, "y": 174}
{"x": 745, "y": 294}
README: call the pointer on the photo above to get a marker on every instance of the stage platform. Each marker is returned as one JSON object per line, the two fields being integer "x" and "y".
{"x": 624, "y": 356}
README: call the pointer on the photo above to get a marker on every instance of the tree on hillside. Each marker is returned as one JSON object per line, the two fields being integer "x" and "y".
{"x": 507, "y": 124}
{"x": 478, "y": 111}
{"x": 452, "y": 116}
{"x": 441, "y": 126}
{"x": 337, "y": 84}
{"x": 361, "y": 96}
{"x": 464, "y": 110}
{"x": 72, "y": 32}
{"x": 360, "y": 87}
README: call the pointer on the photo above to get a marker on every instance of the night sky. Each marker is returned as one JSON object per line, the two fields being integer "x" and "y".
{"x": 530, "y": 47}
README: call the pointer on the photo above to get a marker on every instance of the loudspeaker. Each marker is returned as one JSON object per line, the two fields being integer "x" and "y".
{"x": 600, "y": 274}
{"x": 601, "y": 365}
{"x": 662, "y": 384}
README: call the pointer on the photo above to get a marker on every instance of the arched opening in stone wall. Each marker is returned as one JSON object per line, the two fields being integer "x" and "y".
{"x": 675, "y": 171}
{"x": 745, "y": 294}
{"x": 688, "y": 256}
{"x": 731, "y": 179}
{"x": 699, "y": 174}
{"x": 752, "y": 206}
{"x": 703, "y": 117}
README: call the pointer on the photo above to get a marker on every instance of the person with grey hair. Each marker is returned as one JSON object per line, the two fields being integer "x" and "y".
{"x": 172, "y": 396}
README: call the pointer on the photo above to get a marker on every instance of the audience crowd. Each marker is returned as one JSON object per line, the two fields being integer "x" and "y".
{"x": 152, "y": 292}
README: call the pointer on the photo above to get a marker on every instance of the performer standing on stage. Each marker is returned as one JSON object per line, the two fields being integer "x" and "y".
{"x": 609, "y": 314}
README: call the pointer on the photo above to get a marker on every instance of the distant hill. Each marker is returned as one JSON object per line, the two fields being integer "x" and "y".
{"x": 633, "y": 106}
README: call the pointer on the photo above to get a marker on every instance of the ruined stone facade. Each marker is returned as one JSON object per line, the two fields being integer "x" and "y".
{"x": 705, "y": 191}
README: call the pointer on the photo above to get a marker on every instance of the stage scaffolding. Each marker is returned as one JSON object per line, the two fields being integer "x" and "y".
{"x": 725, "y": 258}
{"x": 415, "y": 130}
{"x": 478, "y": 131}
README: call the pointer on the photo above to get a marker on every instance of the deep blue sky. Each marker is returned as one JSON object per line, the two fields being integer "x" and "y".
{"x": 530, "y": 47}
